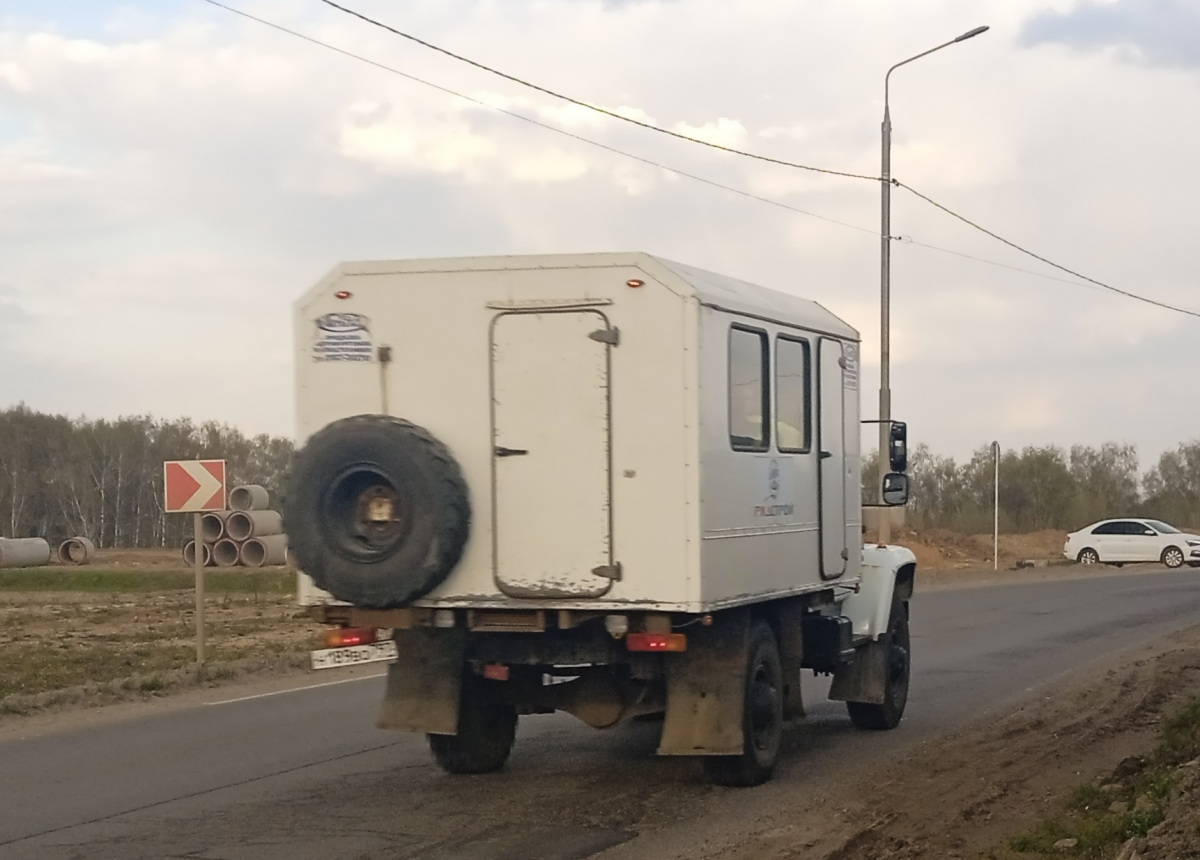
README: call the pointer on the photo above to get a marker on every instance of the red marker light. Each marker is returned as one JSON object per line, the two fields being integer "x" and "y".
{"x": 344, "y": 637}
{"x": 656, "y": 642}
{"x": 342, "y": 294}
{"x": 634, "y": 283}
{"x": 495, "y": 671}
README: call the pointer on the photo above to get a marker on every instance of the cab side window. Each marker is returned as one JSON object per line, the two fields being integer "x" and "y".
{"x": 749, "y": 412}
{"x": 793, "y": 405}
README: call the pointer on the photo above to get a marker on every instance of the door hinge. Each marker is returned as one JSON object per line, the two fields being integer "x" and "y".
{"x": 611, "y": 336}
{"x": 845, "y": 555}
{"x": 609, "y": 571}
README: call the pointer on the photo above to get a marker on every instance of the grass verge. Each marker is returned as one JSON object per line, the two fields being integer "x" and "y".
{"x": 239, "y": 581}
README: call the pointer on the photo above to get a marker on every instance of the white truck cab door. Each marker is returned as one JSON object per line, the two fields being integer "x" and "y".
{"x": 831, "y": 448}
{"x": 552, "y": 500}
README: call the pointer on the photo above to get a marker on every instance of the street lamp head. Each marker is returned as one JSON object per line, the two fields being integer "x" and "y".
{"x": 970, "y": 33}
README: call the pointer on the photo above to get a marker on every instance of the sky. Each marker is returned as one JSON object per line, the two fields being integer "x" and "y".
{"x": 173, "y": 176}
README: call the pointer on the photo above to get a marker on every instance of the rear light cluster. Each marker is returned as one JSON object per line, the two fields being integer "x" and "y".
{"x": 344, "y": 637}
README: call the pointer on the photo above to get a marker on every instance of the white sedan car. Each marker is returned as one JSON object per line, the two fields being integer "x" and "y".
{"x": 1132, "y": 540}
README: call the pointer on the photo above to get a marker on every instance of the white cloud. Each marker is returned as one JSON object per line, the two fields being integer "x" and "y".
{"x": 14, "y": 77}
{"x": 722, "y": 131}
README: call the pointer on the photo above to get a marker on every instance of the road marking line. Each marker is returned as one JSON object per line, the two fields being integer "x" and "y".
{"x": 294, "y": 690}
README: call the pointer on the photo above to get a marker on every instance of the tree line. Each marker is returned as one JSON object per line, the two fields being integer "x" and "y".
{"x": 1051, "y": 487}
{"x": 62, "y": 477}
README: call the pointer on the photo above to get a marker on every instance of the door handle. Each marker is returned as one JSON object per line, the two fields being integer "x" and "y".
{"x": 501, "y": 451}
{"x": 825, "y": 455}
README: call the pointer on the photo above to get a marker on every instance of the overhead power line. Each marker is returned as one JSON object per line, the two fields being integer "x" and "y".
{"x": 649, "y": 162}
{"x": 592, "y": 107}
{"x": 1042, "y": 259}
{"x": 690, "y": 139}
{"x": 1084, "y": 281}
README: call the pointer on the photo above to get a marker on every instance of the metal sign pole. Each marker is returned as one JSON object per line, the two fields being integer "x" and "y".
{"x": 199, "y": 544}
{"x": 996, "y": 509}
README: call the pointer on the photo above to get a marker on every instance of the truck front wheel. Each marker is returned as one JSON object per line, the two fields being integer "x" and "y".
{"x": 762, "y": 720}
{"x": 486, "y": 731}
{"x": 899, "y": 668}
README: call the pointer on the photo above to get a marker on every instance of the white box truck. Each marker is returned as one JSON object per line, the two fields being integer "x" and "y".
{"x": 607, "y": 484}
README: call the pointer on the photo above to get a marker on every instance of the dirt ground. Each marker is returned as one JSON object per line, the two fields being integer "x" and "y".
{"x": 139, "y": 559}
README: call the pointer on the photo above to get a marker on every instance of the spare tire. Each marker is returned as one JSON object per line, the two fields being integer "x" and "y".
{"x": 377, "y": 511}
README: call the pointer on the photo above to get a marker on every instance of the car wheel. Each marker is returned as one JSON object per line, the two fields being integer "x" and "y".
{"x": 1088, "y": 556}
{"x": 1172, "y": 557}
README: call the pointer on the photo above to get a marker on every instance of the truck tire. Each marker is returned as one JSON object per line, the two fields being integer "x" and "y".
{"x": 899, "y": 670}
{"x": 486, "y": 732}
{"x": 762, "y": 720}
{"x": 377, "y": 511}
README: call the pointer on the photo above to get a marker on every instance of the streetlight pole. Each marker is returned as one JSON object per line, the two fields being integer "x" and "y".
{"x": 885, "y": 263}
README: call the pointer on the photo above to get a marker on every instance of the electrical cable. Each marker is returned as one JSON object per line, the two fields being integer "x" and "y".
{"x": 1042, "y": 259}
{"x": 591, "y": 107}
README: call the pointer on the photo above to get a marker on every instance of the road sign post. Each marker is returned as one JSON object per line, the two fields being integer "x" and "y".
{"x": 198, "y": 528}
{"x": 195, "y": 486}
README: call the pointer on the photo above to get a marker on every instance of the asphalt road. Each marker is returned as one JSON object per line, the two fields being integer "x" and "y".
{"x": 304, "y": 774}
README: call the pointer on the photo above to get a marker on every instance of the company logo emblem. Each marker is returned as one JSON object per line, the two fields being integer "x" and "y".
{"x": 342, "y": 323}
{"x": 770, "y": 506}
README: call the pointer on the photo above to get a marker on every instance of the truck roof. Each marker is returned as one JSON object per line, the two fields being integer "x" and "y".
{"x": 709, "y": 288}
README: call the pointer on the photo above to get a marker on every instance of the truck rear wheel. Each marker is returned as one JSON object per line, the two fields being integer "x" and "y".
{"x": 377, "y": 511}
{"x": 899, "y": 669}
{"x": 762, "y": 720}
{"x": 486, "y": 732}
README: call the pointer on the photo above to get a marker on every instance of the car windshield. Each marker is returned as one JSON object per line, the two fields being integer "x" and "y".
{"x": 1162, "y": 528}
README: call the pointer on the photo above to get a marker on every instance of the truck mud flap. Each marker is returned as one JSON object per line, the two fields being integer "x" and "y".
{"x": 425, "y": 682}
{"x": 706, "y": 689}
{"x": 864, "y": 679}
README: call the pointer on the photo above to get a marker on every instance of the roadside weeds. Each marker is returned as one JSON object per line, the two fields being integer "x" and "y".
{"x": 1149, "y": 806}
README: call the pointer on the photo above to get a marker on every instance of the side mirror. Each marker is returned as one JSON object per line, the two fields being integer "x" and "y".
{"x": 898, "y": 447}
{"x": 895, "y": 489}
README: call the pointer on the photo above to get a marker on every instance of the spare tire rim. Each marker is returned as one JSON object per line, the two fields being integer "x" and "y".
{"x": 365, "y": 514}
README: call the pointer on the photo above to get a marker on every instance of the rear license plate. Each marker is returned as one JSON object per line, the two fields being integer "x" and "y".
{"x": 352, "y": 655}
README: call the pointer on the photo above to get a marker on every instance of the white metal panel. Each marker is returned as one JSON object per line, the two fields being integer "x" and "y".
{"x": 751, "y": 300}
{"x": 759, "y": 514}
{"x": 550, "y": 409}
{"x": 832, "y": 442}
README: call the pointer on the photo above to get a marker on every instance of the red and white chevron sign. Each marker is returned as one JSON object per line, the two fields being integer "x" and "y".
{"x": 194, "y": 485}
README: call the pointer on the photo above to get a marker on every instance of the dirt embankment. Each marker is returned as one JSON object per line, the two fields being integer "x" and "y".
{"x": 941, "y": 550}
